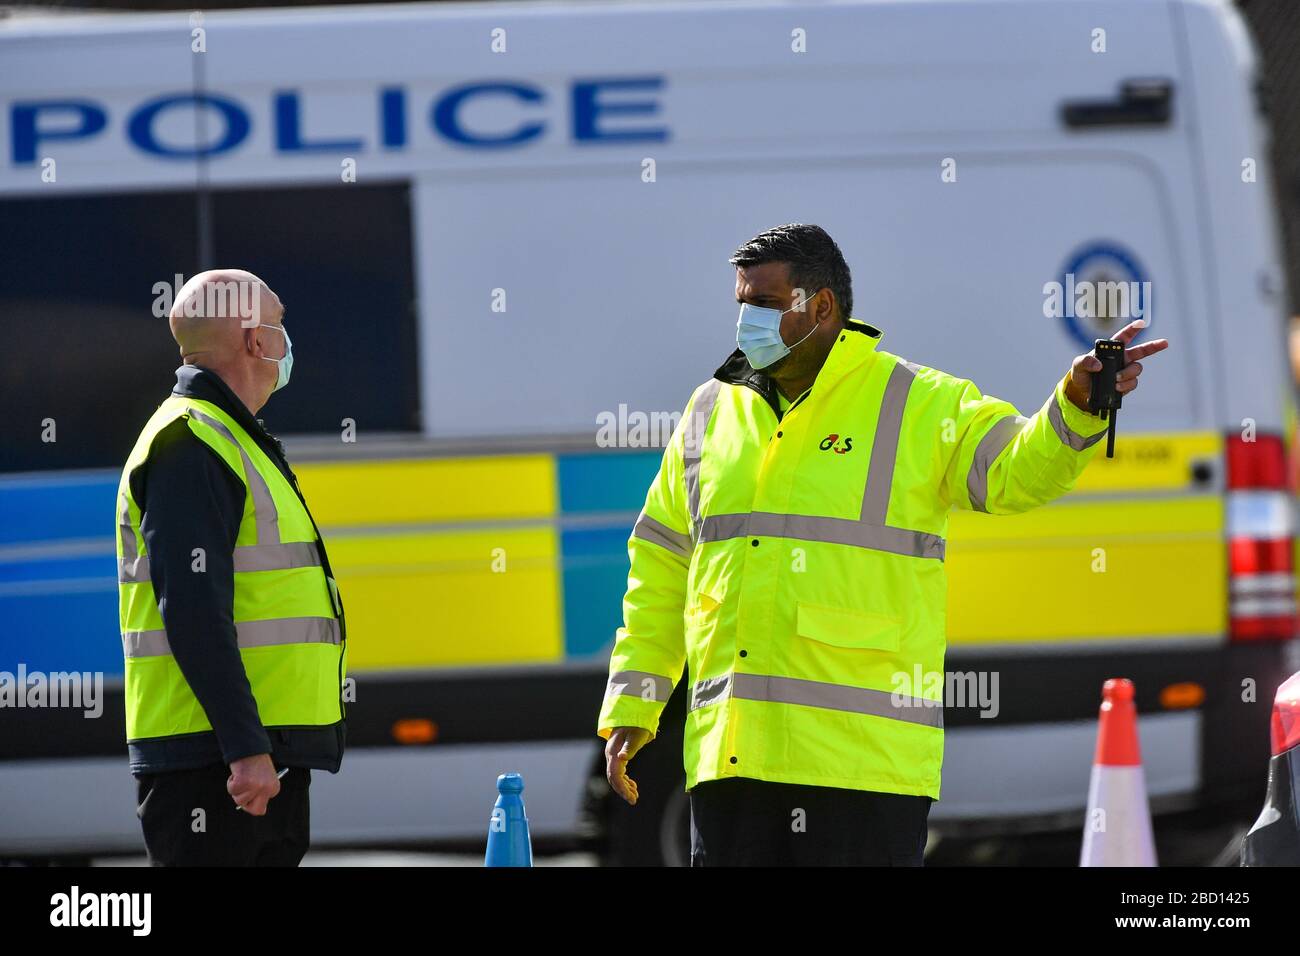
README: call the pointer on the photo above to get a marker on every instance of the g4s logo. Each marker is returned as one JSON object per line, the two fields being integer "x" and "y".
{"x": 833, "y": 443}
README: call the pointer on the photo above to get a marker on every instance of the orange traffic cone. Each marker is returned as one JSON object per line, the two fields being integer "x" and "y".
{"x": 1117, "y": 830}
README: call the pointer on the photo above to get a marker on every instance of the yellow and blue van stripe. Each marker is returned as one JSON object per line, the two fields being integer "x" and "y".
{"x": 521, "y": 559}
{"x": 518, "y": 559}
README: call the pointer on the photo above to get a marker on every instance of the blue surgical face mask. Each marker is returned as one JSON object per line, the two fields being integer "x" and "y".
{"x": 283, "y": 365}
{"x": 758, "y": 333}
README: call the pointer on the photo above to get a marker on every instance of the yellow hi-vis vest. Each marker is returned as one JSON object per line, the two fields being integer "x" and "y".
{"x": 796, "y": 565}
{"x": 286, "y": 609}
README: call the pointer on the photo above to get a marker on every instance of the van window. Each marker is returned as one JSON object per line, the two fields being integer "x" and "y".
{"x": 82, "y": 349}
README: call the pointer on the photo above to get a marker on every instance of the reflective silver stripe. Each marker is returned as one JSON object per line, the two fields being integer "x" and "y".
{"x": 289, "y": 630}
{"x": 870, "y": 531}
{"x": 710, "y": 691}
{"x": 884, "y": 449}
{"x": 135, "y": 571}
{"x": 248, "y": 557}
{"x": 857, "y": 534}
{"x": 693, "y": 429}
{"x": 129, "y": 549}
{"x": 857, "y": 700}
{"x": 636, "y": 683}
{"x": 1067, "y": 434}
{"x": 648, "y": 529}
{"x": 995, "y": 440}
{"x": 723, "y": 527}
{"x": 264, "y": 510}
{"x": 145, "y": 644}
{"x": 277, "y": 557}
{"x": 284, "y": 630}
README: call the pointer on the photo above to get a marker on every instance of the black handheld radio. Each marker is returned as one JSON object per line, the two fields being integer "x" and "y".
{"x": 1104, "y": 399}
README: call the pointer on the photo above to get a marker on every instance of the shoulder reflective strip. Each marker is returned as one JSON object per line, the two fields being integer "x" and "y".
{"x": 249, "y": 557}
{"x": 856, "y": 534}
{"x": 648, "y": 529}
{"x": 697, "y": 422}
{"x": 129, "y": 550}
{"x": 1067, "y": 434}
{"x": 857, "y": 700}
{"x": 637, "y": 683}
{"x": 280, "y": 631}
{"x": 994, "y": 442}
{"x": 134, "y": 570}
{"x": 711, "y": 691}
{"x": 264, "y": 511}
{"x": 884, "y": 450}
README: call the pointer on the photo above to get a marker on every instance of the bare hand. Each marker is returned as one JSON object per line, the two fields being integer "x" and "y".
{"x": 1079, "y": 387}
{"x": 253, "y": 783}
{"x": 622, "y": 746}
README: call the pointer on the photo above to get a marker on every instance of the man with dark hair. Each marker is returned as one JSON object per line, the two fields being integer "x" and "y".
{"x": 790, "y": 553}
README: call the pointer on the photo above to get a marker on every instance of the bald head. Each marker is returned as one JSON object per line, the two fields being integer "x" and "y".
{"x": 219, "y": 321}
{"x": 214, "y": 308}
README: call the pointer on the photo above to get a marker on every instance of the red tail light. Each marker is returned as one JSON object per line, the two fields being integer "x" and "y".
{"x": 1286, "y": 716}
{"x": 1261, "y": 540}
{"x": 1256, "y": 464}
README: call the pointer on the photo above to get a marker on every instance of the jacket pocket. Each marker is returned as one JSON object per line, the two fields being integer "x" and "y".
{"x": 844, "y": 627}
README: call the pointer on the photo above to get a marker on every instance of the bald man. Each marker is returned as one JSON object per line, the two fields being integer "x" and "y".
{"x": 232, "y": 627}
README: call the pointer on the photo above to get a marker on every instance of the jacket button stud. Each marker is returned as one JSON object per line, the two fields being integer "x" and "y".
{"x": 733, "y": 759}
{"x": 754, "y": 542}
{"x": 744, "y": 653}
{"x": 778, "y": 434}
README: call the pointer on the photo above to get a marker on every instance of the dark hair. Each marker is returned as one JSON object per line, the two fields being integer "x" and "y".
{"x": 814, "y": 259}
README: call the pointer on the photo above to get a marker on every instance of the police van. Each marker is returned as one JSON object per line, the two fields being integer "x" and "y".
{"x": 501, "y": 233}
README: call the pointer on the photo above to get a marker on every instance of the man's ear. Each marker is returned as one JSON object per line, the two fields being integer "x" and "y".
{"x": 824, "y": 311}
{"x": 251, "y": 345}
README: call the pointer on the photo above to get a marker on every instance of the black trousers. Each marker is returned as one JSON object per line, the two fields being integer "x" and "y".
{"x": 742, "y": 822}
{"x": 177, "y": 834}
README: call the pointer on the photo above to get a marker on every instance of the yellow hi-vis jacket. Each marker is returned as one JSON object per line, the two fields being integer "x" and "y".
{"x": 286, "y": 608}
{"x": 795, "y": 564}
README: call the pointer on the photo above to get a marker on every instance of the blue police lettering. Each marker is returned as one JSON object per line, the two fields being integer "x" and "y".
{"x": 613, "y": 110}
{"x": 139, "y": 129}
{"x": 288, "y": 130}
{"x": 392, "y": 112}
{"x": 27, "y": 131}
{"x": 446, "y": 114}
{"x": 587, "y": 110}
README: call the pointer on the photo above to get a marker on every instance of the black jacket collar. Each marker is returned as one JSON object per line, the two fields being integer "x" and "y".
{"x": 206, "y": 385}
{"x": 736, "y": 370}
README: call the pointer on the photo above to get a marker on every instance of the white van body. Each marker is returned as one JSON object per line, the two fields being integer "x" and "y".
{"x": 599, "y": 171}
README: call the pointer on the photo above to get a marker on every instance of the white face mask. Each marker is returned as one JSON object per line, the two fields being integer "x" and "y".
{"x": 283, "y": 365}
{"x": 758, "y": 333}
